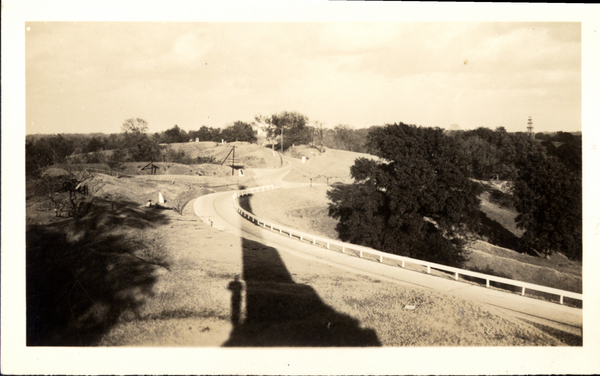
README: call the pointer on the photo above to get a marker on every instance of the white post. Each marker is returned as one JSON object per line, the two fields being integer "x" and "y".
{"x": 456, "y": 276}
{"x": 380, "y": 258}
{"x": 428, "y": 269}
{"x": 360, "y": 254}
{"x": 343, "y": 249}
{"x": 487, "y": 283}
{"x": 523, "y": 291}
{"x": 290, "y": 234}
{"x": 561, "y": 299}
{"x": 314, "y": 241}
{"x": 327, "y": 245}
{"x": 300, "y": 237}
{"x": 280, "y": 231}
{"x": 402, "y": 263}
{"x": 271, "y": 227}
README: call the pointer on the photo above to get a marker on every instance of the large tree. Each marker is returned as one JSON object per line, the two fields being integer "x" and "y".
{"x": 416, "y": 200}
{"x": 239, "y": 131}
{"x": 549, "y": 201}
{"x": 134, "y": 125}
{"x": 139, "y": 145}
{"x": 291, "y": 126}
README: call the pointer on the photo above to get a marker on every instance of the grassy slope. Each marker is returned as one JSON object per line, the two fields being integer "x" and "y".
{"x": 288, "y": 301}
{"x": 250, "y": 155}
{"x": 127, "y": 275}
{"x": 307, "y": 211}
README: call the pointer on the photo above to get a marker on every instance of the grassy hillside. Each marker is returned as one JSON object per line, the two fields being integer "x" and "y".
{"x": 125, "y": 275}
{"x": 306, "y": 209}
{"x": 333, "y": 164}
{"x": 249, "y": 155}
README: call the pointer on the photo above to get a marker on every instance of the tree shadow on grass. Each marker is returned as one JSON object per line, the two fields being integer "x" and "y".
{"x": 280, "y": 312}
{"x": 85, "y": 275}
{"x": 496, "y": 233}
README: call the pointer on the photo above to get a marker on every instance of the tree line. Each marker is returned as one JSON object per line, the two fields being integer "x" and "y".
{"x": 420, "y": 199}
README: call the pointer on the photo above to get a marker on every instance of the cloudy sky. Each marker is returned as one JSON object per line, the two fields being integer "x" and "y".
{"x": 91, "y": 76}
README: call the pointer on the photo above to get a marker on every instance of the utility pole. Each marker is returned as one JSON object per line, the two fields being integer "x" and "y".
{"x": 233, "y": 164}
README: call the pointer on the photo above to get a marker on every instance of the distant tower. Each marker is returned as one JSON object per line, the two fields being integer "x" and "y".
{"x": 530, "y": 127}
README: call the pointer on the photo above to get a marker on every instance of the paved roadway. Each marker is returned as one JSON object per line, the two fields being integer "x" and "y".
{"x": 217, "y": 210}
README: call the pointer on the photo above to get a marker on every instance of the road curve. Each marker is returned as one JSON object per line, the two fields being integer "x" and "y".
{"x": 217, "y": 210}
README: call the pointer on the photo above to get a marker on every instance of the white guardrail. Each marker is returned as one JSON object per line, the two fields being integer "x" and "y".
{"x": 361, "y": 250}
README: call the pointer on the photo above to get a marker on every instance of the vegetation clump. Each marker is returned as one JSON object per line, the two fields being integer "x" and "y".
{"x": 416, "y": 201}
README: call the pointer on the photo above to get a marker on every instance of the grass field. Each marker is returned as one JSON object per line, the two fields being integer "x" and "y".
{"x": 127, "y": 275}
{"x": 132, "y": 277}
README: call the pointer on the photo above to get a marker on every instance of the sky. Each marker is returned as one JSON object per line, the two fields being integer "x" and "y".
{"x": 84, "y": 77}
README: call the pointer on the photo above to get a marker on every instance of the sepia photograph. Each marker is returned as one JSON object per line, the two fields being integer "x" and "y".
{"x": 310, "y": 194}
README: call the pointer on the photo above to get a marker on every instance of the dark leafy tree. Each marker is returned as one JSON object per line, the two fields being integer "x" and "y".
{"x": 115, "y": 161}
{"x": 292, "y": 124}
{"x": 549, "y": 203}
{"x": 94, "y": 144}
{"x": 144, "y": 148}
{"x": 239, "y": 131}
{"x": 174, "y": 135}
{"x": 417, "y": 200}
{"x": 140, "y": 146}
{"x": 47, "y": 151}
{"x": 208, "y": 134}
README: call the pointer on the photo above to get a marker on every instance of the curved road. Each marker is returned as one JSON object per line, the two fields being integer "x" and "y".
{"x": 217, "y": 210}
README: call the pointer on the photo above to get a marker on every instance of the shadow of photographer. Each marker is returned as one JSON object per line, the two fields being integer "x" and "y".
{"x": 280, "y": 312}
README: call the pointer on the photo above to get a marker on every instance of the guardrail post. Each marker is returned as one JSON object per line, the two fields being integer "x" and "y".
{"x": 360, "y": 255}
{"x": 327, "y": 245}
{"x": 271, "y": 227}
{"x": 487, "y": 283}
{"x": 290, "y": 234}
{"x": 300, "y": 237}
{"x": 523, "y": 291}
{"x": 428, "y": 269}
{"x": 402, "y": 263}
{"x": 343, "y": 249}
{"x": 314, "y": 241}
{"x": 456, "y": 276}
{"x": 280, "y": 231}
{"x": 380, "y": 258}
{"x": 561, "y": 299}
